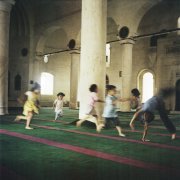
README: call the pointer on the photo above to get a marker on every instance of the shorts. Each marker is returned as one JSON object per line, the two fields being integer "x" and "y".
{"x": 59, "y": 112}
{"x": 112, "y": 120}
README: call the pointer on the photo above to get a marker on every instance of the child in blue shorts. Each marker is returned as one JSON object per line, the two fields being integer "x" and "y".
{"x": 110, "y": 113}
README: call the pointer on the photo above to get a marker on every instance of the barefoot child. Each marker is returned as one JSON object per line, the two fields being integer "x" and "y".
{"x": 146, "y": 113}
{"x": 58, "y": 105}
{"x": 110, "y": 113}
{"x": 31, "y": 105}
{"x": 135, "y": 99}
{"x": 90, "y": 111}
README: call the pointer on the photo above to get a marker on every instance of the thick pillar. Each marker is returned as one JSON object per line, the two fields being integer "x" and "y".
{"x": 93, "y": 50}
{"x": 127, "y": 47}
{"x": 74, "y": 82}
{"x": 5, "y": 8}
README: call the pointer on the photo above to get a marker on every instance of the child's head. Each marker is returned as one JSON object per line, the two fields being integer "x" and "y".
{"x": 111, "y": 90}
{"x": 60, "y": 95}
{"x": 93, "y": 88}
{"x": 135, "y": 92}
{"x": 149, "y": 117}
{"x": 36, "y": 88}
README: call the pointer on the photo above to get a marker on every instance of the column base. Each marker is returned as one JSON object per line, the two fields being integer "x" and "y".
{"x": 3, "y": 111}
{"x": 73, "y": 105}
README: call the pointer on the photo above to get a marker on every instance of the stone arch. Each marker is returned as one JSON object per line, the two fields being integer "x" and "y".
{"x": 44, "y": 37}
{"x": 112, "y": 29}
{"x": 142, "y": 11}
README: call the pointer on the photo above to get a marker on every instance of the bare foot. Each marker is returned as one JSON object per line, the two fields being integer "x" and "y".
{"x": 122, "y": 135}
{"x": 99, "y": 128}
{"x": 78, "y": 124}
{"x": 145, "y": 140}
{"x": 173, "y": 136}
{"x": 17, "y": 119}
{"x": 132, "y": 126}
{"x": 28, "y": 128}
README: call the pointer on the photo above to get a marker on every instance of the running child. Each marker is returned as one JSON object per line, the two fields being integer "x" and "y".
{"x": 146, "y": 113}
{"x": 58, "y": 105}
{"x": 110, "y": 113}
{"x": 31, "y": 105}
{"x": 135, "y": 100}
{"x": 91, "y": 114}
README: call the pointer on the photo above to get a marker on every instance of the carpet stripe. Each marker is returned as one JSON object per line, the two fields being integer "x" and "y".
{"x": 92, "y": 153}
{"x": 111, "y": 137}
{"x": 151, "y": 126}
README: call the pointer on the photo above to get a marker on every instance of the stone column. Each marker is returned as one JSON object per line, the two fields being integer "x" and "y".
{"x": 93, "y": 50}
{"x": 127, "y": 47}
{"x": 74, "y": 82}
{"x": 5, "y": 8}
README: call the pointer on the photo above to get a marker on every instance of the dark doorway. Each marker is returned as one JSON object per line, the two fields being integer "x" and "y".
{"x": 177, "y": 95}
{"x": 107, "y": 80}
{"x": 17, "y": 82}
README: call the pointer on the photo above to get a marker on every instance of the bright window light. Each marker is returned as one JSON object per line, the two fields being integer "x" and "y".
{"x": 148, "y": 86}
{"x": 47, "y": 83}
{"x": 178, "y": 25}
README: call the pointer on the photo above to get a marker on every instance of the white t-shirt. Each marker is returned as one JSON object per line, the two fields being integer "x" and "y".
{"x": 59, "y": 105}
{"x": 92, "y": 99}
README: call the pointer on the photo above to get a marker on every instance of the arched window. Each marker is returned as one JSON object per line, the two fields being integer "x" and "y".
{"x": 17, "y": 82}
{"x": 178, "y": 25}
{"x": 47, "y": 83}
{"x": 146, "y": 84}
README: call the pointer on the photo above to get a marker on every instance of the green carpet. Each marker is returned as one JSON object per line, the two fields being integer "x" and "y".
{"x": 32, "y": 160}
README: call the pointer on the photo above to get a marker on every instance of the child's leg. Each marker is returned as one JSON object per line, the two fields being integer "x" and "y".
{"x": 95, "y": 121}
{"x": 29, "y": 117}
{"x": 117, "y": 124}
{"x": 78, "y": 123}
{"x": 119, "y": 129}
{"x": 18, "y": 118}
{"x": 56, "y": 115}
{"x": 167, "y": 122}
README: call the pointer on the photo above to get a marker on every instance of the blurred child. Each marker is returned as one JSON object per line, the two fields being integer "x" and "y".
{"x": 110, "y": 113}
{"x": 135, "y": 99}
{"x": 31, "y": 105}
{"x": 90, "y": 114}
{"x": 58, "y": 105}
{"x": 146, "y": 113}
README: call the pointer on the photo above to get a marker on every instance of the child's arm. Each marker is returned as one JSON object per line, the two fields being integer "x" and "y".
{"x": 96, "y": 99}
{"x": 100, "y": 101}
{"x": 134, "y": 118}
{"x": 22, "y": 99}
{"x": 54, "y": 104}
{"x": 124, "y": 99}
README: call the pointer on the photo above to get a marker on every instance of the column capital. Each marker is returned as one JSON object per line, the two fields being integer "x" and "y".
{"x": 127, "y": 41}
{"x": 5, "y": 5}
{"x": 75, "y": 52}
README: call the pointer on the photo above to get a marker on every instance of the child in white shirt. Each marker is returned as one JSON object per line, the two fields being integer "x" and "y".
{"x": 58, "y": 105}
{"x": 90, "y": 114}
